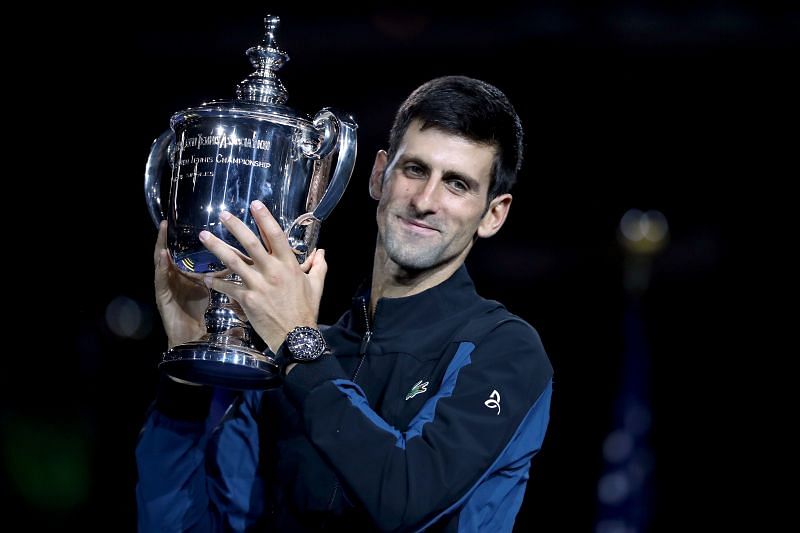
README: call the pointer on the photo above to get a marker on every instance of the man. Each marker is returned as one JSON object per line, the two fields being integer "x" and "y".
{"x": 421, "y": 408}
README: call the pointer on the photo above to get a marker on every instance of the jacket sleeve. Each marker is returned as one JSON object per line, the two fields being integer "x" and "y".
{"x": 184, "y": 483}
{"x": 493, "y": 397}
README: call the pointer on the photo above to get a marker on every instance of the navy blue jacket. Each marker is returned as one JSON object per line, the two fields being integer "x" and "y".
{"x": 426, "y": 418}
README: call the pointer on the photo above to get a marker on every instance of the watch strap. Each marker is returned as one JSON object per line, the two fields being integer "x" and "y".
{"x": 282, "y": 358}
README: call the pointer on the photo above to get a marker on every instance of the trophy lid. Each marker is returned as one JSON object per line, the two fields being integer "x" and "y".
{"x": 263, "y": 86}
{"x": 260, "y": 96}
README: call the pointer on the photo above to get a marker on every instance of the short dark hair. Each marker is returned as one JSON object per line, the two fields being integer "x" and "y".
{"x": 473, "y": 109}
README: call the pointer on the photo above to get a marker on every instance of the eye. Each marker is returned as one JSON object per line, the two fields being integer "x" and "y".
{"x": 414, "y": 170}
{"x": 458, "y": 185}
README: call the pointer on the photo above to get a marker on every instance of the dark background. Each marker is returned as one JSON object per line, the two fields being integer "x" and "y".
{"x": 672, "y": 106}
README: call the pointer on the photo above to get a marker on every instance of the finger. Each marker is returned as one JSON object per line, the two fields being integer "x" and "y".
{"x": 249, "y": 240}
{"x": 162, "y": 261}
{"x": 306, "y": 266}
{"x": 165, "y": 268}
{"x": 271, "y": 231}
{"x": 162, "y": 273}
{"x": 318, "y": 271}
{"x": 162, "y": 267}
{"x": 229, "y": 256}
{"x": 161, "y": 241}
{"x": 228, "y": 288}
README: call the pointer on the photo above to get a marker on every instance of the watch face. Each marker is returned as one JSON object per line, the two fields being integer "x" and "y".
{"x": 305, "y": 344}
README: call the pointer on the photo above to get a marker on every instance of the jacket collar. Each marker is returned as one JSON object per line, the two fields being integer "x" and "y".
{"x": 411, "y": 312}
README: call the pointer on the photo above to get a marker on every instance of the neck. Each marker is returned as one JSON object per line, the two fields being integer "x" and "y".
{"x": 390, "y": 280}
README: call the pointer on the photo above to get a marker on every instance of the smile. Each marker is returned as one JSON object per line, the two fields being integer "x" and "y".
{"x": 417, "y": 226}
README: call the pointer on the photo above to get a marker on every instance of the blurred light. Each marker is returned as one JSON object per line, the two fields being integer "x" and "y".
{"x": 636, "y": 225}
{"x": 126, "y": 319}
{"x": 617, "y": 446}
{"x": 643, "y": 232}
{"x": 613, "y": 488}
{"x": 210, "y": 208}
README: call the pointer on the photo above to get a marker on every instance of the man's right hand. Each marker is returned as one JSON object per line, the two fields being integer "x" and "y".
{"x": 181, "y": 301}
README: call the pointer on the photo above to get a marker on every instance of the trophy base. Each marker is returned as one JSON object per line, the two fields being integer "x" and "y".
{"x": 221, "y": 365}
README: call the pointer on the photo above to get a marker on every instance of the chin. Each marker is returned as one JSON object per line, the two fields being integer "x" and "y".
{"x": 415, "y": 261}
{"x": 412, "y": 263}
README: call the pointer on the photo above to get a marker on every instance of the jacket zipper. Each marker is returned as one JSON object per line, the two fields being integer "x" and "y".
{"x": 362, "y": 351}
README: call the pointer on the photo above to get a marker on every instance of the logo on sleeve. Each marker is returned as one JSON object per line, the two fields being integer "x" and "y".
{"x": 418, "y": 388}
{"x": 493, "y": 401}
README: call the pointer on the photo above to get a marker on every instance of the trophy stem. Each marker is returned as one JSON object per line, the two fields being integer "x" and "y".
{"x": 223, "y": 314}
{"x": 225, "y": 356}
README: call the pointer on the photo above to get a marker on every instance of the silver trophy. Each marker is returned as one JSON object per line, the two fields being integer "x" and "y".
{"x": 221, "y": 156}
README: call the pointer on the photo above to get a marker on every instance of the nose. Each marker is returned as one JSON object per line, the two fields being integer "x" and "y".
{"x": 424, "y": 199}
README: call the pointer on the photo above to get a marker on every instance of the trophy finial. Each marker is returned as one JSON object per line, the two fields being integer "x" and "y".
{"x": 271, "y": 23}
{"x": 263, "y": 86}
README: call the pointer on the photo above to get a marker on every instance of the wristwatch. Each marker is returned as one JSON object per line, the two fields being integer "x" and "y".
{"x": 302, "y": 344}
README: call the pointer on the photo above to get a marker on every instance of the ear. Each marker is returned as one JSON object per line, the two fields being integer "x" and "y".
{"x": 495, "y": 216}
{"x": 376, "y": 177}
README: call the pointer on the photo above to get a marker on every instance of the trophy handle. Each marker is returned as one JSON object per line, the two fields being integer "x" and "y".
{"x": 345, "y": 142}
{"x": 160, "y": 152}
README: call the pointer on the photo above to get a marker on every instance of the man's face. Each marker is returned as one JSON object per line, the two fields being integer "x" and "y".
{"x": 433, "y": 198}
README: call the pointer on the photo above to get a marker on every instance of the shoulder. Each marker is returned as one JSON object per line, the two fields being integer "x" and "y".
{"x": 492, "y": 319}
{"x": 500, "y": 337}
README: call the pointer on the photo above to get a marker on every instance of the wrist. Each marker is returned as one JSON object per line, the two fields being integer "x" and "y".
{"x": 302, "y": 344}
{"x": 275, "y": 342}
{"x": 176, "y": 338}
